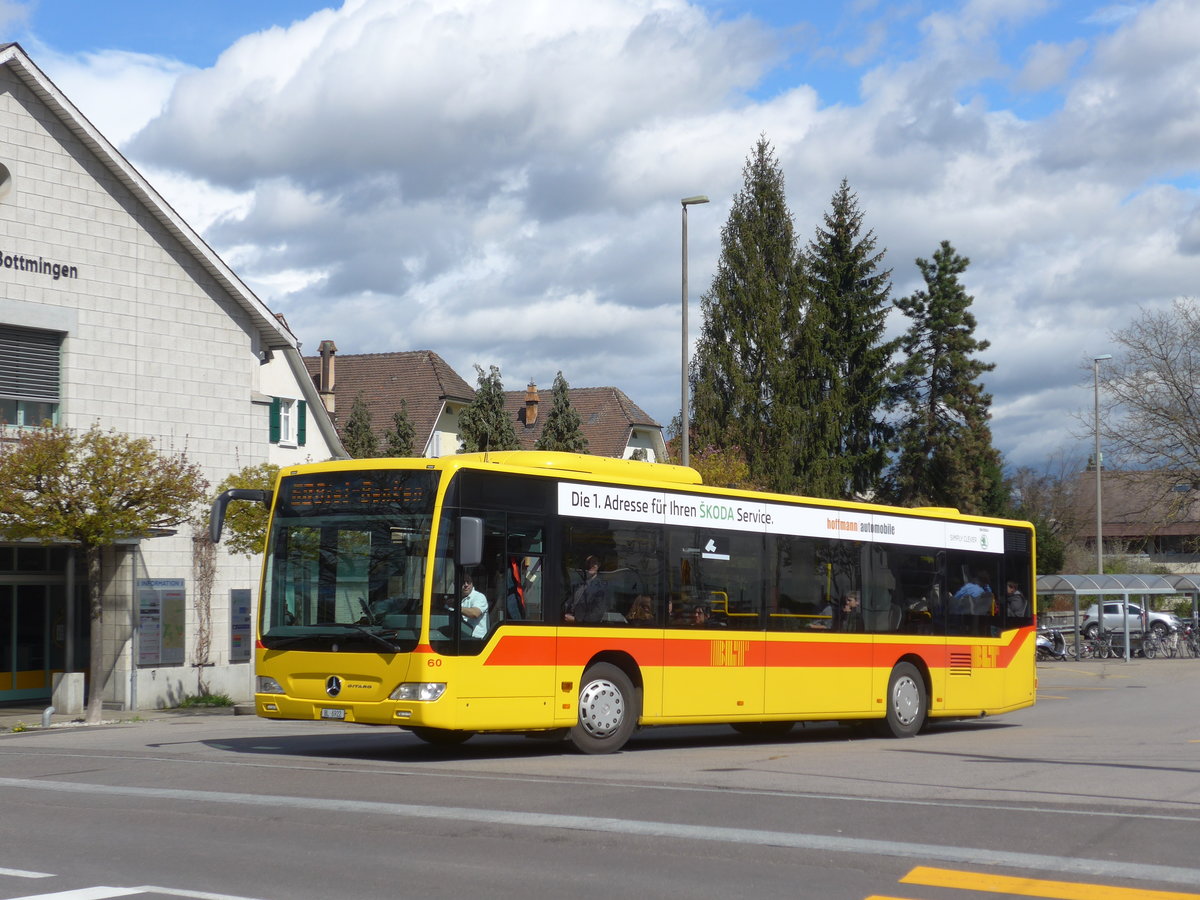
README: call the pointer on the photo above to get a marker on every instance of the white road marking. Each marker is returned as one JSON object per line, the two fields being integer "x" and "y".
{"x": 23, "y": 873}
{"x": 394, "y": 772}
{"x": 1094, "y": 868}
{"x": 91, "y": 893}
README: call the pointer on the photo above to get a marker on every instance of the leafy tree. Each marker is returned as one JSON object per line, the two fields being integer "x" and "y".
{"x": 401, "y": 438}
{"x": 358, "y": 437}
{"x": 92, "y": 489}
{"x": 562, "y": 430}
{"x": 724, "y": 467}
{"x": 1050, "y": 499}
{"x": 484, "y": 424}
{"x": 945, "y": 453}
{"x": 845, "y": 319}
{"x": 743, "y": 376}
{"x": 246, "y": 523}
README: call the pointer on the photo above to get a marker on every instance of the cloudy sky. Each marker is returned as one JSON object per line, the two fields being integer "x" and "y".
{"x": 499, "y": 180}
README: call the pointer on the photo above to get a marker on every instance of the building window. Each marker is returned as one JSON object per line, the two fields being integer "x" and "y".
{"x": 288, "y": 421}
{"x": 30, "y": 367}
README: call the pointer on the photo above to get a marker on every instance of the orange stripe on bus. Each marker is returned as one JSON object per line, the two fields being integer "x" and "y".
{"x": 710, "y": 650}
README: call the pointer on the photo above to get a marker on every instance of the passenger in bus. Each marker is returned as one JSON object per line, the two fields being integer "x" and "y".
{"x": 844, "y": 616}
{"x": 851, "y": 617}
{"x": 1016, "y": 604}
{"x": 641, "y": 611}
{"x": 514, "y": 600}
{"x": 473, "y": 608}
{"x": 590, "y": 602}
{"x": 974, "y": 598}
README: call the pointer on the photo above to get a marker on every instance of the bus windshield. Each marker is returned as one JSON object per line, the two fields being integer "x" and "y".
{"x": 346, "y": 559}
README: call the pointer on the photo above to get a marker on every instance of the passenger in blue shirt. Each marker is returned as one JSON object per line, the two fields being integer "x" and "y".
{"x": 974, "y": 598}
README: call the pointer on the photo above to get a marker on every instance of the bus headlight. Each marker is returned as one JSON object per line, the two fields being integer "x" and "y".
{"x": 265, "y": 684}
{"x": 419, "y": 690}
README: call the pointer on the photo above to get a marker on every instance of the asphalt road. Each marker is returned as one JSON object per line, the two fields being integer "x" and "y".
{"x": 1094, "y": 794}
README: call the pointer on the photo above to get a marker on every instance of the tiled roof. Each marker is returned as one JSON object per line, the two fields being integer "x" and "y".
{"x": 420, "y": 377}
{"x": 1136, "y": 504}
{"x": 425, "y": 381}
{"x": 607, "y": 416}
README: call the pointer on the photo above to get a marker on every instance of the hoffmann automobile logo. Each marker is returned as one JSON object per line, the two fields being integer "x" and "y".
{"x": 333, "y": 685}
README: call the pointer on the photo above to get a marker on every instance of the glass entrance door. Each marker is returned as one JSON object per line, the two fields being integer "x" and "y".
{"x": 35, "y": 627}
{"x": 25, "y": 662}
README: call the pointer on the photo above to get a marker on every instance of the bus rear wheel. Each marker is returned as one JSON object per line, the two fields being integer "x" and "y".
{"x": 907, "y": 702}
{"x": 609, "y": 707}
{"x": 442, "y": 737}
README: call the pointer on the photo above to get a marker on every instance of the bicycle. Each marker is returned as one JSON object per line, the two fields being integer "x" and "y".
{"x": 1111, "y": 644}
{"x": 1102, "y": 646}
{"x": 1152, "y": 645}
{"x": 1189, "y": 641}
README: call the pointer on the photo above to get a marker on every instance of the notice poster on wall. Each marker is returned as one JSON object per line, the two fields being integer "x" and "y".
{"x": 239, "y": 624}
{"x": 160, "y": 621}
{"x": 149, "y": 626}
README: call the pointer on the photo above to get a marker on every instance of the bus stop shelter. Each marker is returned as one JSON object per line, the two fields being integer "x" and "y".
{"x": 1105, "y": 587}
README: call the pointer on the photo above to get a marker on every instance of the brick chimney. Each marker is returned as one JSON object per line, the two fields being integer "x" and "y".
{"x": 325, "y": 383}
{"x": 531, "y": 405}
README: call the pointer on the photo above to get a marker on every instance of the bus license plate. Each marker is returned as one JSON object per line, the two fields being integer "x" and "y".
{"x": 333, "y": 714}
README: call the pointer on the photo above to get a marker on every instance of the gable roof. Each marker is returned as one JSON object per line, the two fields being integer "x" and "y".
{"x": 273, "y": 332}
{"x": 420, "y": 377}
{"x": 1137, "y": 504}
{"x": 607, "y": 416}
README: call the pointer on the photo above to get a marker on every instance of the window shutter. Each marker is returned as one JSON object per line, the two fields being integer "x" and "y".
{"x": 274, "y": 437}
{"x": 29, "y": 364}
{"x": 301, "y": 421}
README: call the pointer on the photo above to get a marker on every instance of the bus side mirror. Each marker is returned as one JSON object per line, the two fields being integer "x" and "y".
{"x": 470, "y": 541}
{"x": 216, "y": 519}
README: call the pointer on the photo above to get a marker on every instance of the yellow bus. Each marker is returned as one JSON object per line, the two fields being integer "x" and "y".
{"x": 567, "y": 595}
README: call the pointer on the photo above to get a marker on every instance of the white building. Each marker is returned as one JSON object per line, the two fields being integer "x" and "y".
{"x": 114, "y": 311}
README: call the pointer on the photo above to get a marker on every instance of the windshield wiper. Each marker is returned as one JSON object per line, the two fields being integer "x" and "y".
{"x": 276, "y": 643}
{"x": 373, "y": 635}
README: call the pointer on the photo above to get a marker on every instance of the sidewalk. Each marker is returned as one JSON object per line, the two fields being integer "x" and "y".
{"x": 29, "y": 718}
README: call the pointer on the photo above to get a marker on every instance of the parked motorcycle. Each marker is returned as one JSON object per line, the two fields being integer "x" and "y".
{"x": 1052, "y": 645}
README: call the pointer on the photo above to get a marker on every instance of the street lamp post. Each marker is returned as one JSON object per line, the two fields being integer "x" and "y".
{"x": 1096, "y": 465}
{"x": 683, "y": 379}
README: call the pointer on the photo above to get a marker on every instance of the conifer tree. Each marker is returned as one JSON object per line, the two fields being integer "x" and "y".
{"x": 358, "y": 437}
{"x": 562, "y": 430}
{"x": 401, "y": 438}
{"x": 945, "y": 454}
{"x": 484, "y": 424}
{"x": 845, "y": 320}
{"x": 743, "y": 374}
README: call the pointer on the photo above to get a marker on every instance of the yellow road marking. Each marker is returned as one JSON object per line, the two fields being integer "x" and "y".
{"x": 1033, "y": 887}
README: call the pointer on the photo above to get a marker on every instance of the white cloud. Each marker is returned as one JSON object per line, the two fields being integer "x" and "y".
{"x": 500, "y": 181}
{"x": 118, "y": 92}
{"x": 1047, "y": 65}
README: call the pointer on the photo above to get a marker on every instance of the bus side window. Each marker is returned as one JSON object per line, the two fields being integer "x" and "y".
{"x": 607, "y": 567}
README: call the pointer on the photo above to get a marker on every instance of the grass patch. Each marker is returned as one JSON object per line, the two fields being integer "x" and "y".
{"x": 205, "y": 700}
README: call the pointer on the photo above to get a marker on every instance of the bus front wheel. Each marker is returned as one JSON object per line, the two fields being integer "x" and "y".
{"x": 608, "y": 710}
{"x": 907, "y": 702}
